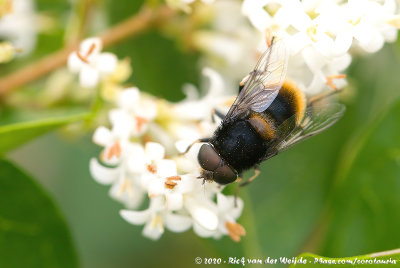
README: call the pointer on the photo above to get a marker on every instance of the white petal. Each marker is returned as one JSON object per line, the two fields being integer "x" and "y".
{"x": 374, "y": 44}
{"x": 156, "y": 187}
{"x": 146, "y": 179}
{"x": 127, "y": 192}
{"x": 147, "y": 109}
{"x": 217, "y": 85}
{"x": 88, "y": 76}
{"x": 128, "y": 98}
{"x": 177, "y": 223}
{"x": 343, "y": 42}
{"x": 74, "y": 63}
{"x": 122, "y": 123}
{"x": 92, "y": 45}
{"x": 188, "y": 184}
{"x": 224, "y": 203}
{"x": 136, "y": 163}
{"x": 317, "y": 83}
{"x": 182, "y": 145}
{"x": 154, "y": 151}
{"x": 341, "y": 63}
{"x": 237, "y": 211}
{"x": 106, "y": 63}
{"x": 204, "y": 216}
{"x": 254, "y": 10}
{"x": 103, "y": 136}
{"x": 135, "y": 217}
{"x": 174, "y": 201}
{"x": 166, "y": 168}
{"x": 313, "y": 59}
{"x": 202, "y": 232}
{"x": 157, "y": 203}
{"x": 129, "y": 197}
{"x": 153, "y": 232}
{"x": 101, "y": 174}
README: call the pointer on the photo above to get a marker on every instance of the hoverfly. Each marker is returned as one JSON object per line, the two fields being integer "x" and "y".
{"x": 268, "y": 116}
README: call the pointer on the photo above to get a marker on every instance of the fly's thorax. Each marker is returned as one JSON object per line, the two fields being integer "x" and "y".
{"x": 239, "y": 144}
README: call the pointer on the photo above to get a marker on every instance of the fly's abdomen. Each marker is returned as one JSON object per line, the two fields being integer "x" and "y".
{"x": 290, "y": 101}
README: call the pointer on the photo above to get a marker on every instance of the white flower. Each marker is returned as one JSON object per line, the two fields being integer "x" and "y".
{"x": 155, "y": 218}
{"x": 90, "y": 63}
{"x": 228, "y": 213}
{"x": 140, "y": 110}
{"x": 126, "y": 184}
{"x": 19, "y": 26}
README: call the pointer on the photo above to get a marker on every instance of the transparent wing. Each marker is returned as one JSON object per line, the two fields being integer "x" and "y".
{"x": 316, "y": 119}
{"x": 263, "y": 83}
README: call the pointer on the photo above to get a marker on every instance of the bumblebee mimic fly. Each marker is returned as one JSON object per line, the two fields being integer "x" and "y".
{"x": 269, "y": 115}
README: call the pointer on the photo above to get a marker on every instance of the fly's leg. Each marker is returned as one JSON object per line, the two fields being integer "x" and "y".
{"x": 252, "y": 178}
{"x": 193, "y": 143}
{"x": 334, "y": 91}
{"x": 245, "y": 183}
{"x": 213, "y": 112}
{"x": 217, "y": 113}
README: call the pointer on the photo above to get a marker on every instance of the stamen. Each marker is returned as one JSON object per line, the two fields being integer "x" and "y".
{"x": 91, "y": 49}
{"x": 312, "y": 33}
{"x": 140, "y": 121}
{"x": 157, "y": 221}
{"x": 174, "y": 178}
{"x": 82, "y": 58}
{"x": 152, "y": 168}
{"x": 114, "y": 150}
{"x": 268, "y": 37}
{"x": 355, "y": 21}
{"x": 235, "y": 230}
{"x": 126, "y": 186}
{"x": 329, "y": 80}
{"x": 170, "y": 184}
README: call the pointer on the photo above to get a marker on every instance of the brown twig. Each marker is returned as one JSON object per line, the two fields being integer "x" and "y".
{"x": 134, "y": 25}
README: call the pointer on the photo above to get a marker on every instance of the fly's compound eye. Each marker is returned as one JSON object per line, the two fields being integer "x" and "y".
{"x": 208, "y": 158}
{"x": 224, "y": 175}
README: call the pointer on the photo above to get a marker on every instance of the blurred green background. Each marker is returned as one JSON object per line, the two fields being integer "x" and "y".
{"x": 336, "y": 195}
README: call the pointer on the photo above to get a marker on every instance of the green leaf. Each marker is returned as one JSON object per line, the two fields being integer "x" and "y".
{"x": 379, "y": 259}
{"x": 365, "y": 207}
{"x": 13, "y": 135}
{"x": 32, "y": 231}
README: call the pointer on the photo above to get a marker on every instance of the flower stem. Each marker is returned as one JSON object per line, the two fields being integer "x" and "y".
{"x": 145, "y": 19}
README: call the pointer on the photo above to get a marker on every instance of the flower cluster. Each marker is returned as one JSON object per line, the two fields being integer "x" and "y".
{"x": 138, "y": 168}
{"x": 320, "y": 34}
